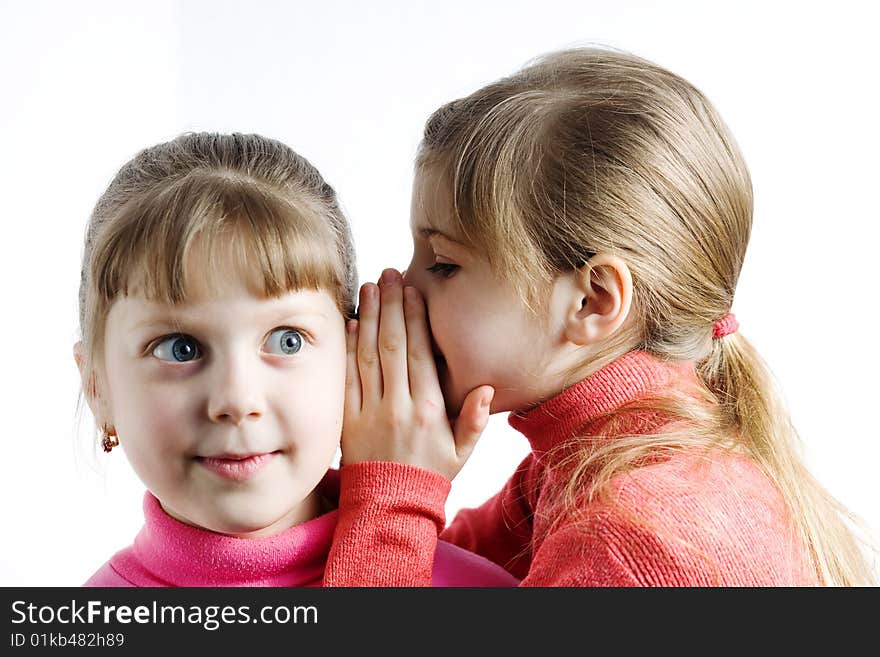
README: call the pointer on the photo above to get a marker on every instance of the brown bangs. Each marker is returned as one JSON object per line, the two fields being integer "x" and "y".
{"x": 217, "y": 227}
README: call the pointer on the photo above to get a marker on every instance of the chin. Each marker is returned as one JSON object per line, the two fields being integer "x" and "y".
{"x": 453, "y": 399}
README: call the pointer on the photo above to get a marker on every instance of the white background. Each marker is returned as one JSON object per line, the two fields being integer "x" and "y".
{"x": 348, "y": 84}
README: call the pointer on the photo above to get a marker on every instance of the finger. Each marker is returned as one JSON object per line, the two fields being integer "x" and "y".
{"x": 472, "y": 420}
{"x": 367, "y": 347}
{"x": 352, "y": 376}
{"x": 392, "y": 335}
{"x": 423, "y": 382}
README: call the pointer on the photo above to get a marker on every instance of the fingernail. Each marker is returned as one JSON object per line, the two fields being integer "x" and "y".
{"x": 368, "y": 291}
{"x": 351, "y": 326}
{"x": 389, "y": 276}
{"x": 409, "y": 294}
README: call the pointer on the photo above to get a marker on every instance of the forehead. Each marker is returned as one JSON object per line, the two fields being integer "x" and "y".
{"x": 432, "y": 210}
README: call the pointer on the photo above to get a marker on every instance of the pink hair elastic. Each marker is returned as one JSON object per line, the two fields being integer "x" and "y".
{"x": 724, "y": 326}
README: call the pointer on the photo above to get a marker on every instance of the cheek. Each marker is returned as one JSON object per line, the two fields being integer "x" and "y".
{"x": 486, "y": 344}
{"x": 461, "y": 328}
{"x": 150, "y": 404}
{"x": 148, "y": 416}
{"x": 156, "y": 436}
{"x": 450, "y": 321}
{"x": 310, "y": 403}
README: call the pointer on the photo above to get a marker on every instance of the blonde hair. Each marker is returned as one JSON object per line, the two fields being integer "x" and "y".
{"x": 590, "y": 151}
{"x": 250, "y": 195}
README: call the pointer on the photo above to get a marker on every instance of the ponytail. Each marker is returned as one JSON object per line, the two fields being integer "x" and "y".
{"x": 752, "y": 407}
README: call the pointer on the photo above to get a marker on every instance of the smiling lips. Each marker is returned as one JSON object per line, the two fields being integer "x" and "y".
{"x": 236, "y": 468}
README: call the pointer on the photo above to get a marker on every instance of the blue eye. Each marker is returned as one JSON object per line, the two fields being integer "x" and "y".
{"x": 177, "y": 348}
{"x": 284, "y": 342}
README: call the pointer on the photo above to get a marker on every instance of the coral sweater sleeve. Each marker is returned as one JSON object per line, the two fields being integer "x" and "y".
{"x": 390, "y": 516}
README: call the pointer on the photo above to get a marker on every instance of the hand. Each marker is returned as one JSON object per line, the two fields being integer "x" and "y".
{"x": 394, "y": 409}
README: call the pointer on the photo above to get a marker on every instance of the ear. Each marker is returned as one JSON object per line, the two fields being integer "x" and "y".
{"x": 97, "y": 403}
{"x": 601, "y": 300}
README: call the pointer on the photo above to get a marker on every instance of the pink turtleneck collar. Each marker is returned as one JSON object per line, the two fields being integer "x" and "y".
{"x": 182, "y": 555}
{"x": 631, "y": 376}
{"x": 167, "y": 552}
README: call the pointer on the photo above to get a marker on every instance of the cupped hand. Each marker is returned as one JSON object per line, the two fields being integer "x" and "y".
{"x": 394, "y": 408}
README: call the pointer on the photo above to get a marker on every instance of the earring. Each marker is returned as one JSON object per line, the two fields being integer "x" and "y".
{"x": 109, "y": 439}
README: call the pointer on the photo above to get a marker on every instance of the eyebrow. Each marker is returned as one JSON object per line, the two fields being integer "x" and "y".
{"x": 155, "y": 322}
{"x": 428, "y": 233}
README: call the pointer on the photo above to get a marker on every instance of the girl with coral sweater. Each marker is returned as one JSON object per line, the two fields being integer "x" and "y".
{"x": 579, "y": 229}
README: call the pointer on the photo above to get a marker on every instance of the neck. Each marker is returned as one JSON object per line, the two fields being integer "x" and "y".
{"x": 575, "y": 364}
{"x": 311, "y": 507}
{"x": 576, "y": 410}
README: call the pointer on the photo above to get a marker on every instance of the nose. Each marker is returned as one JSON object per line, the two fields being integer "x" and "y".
{"x": 235, "y": 392}
{"x": 408, "y": 277}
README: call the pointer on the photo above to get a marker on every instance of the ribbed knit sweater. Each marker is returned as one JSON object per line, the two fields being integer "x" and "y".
{"x": 167, "y": 552}
{"x": 685, "y": 520}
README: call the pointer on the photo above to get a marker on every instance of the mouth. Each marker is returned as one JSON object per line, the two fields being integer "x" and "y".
{"x": 435, "y": 351}
{"x": 236, "y": 467}
{"x": 443, "y": 379}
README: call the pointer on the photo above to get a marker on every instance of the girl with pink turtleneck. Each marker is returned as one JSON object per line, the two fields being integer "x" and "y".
{"x": 217, "y": 277}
